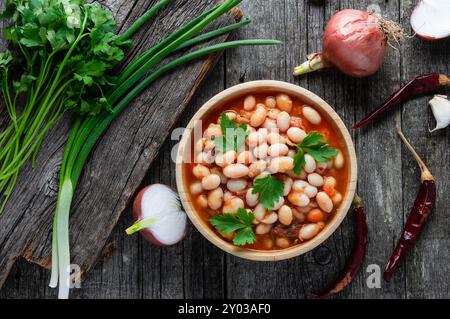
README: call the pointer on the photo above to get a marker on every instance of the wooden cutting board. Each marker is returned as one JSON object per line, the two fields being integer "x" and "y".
{"x": 119, "y": 161}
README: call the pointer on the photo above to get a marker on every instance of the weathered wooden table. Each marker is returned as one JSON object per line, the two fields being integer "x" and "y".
{"x": 388, "y": 179}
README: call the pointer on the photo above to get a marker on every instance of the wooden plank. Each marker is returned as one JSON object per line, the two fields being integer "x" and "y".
{"x": 429, "y": 259}
{"x": 319, "y": 267}
{"x": 248, "y": 279}
{"x": 381, "y": 180}
{"x": 203, "y": 262}
{"x": 378, "y": 151}
{"x": 117, "y": 165}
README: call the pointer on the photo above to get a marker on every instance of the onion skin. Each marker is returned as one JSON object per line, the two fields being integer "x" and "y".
{"x": 354, "y": 43}
{"x": 137, "y": 215}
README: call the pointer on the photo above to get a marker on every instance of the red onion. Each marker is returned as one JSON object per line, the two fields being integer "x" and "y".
{"x": 158, "y": 216}
{"x": 355, "y": 42}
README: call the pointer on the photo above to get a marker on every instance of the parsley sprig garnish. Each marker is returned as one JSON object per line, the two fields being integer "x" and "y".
{"x": 242, "y": 222}
{"x": 233, "y": 135}
{"x": 313, "y": 145}
{"x": 270, "y": 190}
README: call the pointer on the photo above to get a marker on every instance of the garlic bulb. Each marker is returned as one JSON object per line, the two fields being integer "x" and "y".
{"x": 440, "y": 106}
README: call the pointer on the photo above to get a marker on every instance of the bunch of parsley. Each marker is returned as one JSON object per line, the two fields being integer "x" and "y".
{"x": 59, "y": 58}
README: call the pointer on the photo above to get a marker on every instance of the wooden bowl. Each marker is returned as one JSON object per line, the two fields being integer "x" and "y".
{"x": 253, "y": 88}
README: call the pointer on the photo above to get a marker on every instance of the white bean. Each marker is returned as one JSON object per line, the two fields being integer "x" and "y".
{"x": 262, "y": 175}
{"x": 315, "y": 179}
{"x": 283, "y": 121}
{"x": 296, "y": 134}
{"x": 339, "y": 160}
{"x": 298, "y": 199}
{"x": 310, "y": 191}
{"x": 199, "y": 145}
{"x": 211, "y": 182}
{"x": 205, "y": 158}
{"x": 249, "y": 103}
{"x": 262, "y": 138}
{"x": 278, "y": 150}
{"x": 321, "y": 168}
{"x": 251, "y": 199}
{"x": 209, "y": 145}
{"x": 312, "y": 115}
{"x": 228, "y": 195}
{"x": 287, "y": 186}
{"x": 202, "y": 201}
{"x": 259, "y": 212}
{"x": 291, "y": 153}
{"x": 270, "y": 125}
{"x": 282, "y": 242}
{"x": 285, "y": 215}
{"x": 284, "y": 102}
{"x": 259, "y": 116}
{"x": 232, "y": 115}
{"x": 281, "y": 164}
{"x": 245, "y": 157}
{"x": 310, "y": 165}
{"x": 200, "y": 171}
{"x": 213, "y": 131}
{"x": 271, "y": 102}
{"x": 232, "y": 205}
{"x": 256, "y": 168}
{"x": 262, "y": 229}
{"x": 324, "y": 201}
{"x": 196, "y": 188}
{"x": 308, "y": 231}
{"x": 273, "y": 113}
{"x": 215, "y": 198}
{"x": 270, "y": 219}
{"x": 337, "y": 198}
{"x": 329, "y": 183}
{"x": 252, "y": 139}
{"x": 260, "y": 151}
{"x": 218, "y": 171}
{"x": 299, "y": 186}
{"x": 274, "y": 138}
{"x": 278, "y": 204}
{"x": 235, "y": 171}
{"x": 224, "y": 159}
{"x": 236, "y": 185}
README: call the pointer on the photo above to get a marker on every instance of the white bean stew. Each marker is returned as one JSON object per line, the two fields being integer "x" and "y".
{"x": 269, "y": 172}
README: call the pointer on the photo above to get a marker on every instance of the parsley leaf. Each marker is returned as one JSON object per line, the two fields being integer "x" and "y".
{"x": 270, "y": 190}
{"x": 233, "y": 135}
{"x": 244, "y": 237}
{"x": 314, "y": 145}
{"x": 228, "y": 223}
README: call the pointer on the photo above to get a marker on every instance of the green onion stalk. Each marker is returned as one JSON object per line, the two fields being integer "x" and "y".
{"x": 137, "y": 76}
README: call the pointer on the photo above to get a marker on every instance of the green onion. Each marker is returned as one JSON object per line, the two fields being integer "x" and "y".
{"x": 87, "y": 130}
{"x": 138, "y": 226}
{"x": 137, "y": 25}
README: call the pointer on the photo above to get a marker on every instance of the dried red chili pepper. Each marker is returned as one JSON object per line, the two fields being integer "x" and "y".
{"x": 420, "y": 85}
{"x": 423, "y": 205}
{"x": 357, "y": 256}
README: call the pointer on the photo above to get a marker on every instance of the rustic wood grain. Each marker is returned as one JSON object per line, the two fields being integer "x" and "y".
{"x": 388, "y": 179}
{"x": 118, "y": 163}
{"x": 429, "y": 260}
